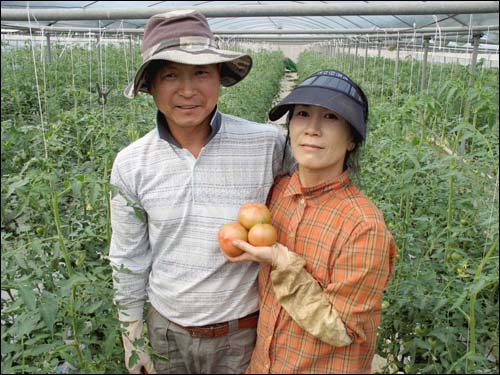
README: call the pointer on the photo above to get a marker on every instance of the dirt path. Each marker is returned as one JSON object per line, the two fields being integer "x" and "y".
{"x": 288, "y": 82}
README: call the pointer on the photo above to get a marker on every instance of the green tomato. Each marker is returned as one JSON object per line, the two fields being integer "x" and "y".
{"x": 421, "y": 330}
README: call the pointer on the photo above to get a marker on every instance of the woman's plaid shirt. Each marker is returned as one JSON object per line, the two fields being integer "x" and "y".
{"x": 347, "y": 248}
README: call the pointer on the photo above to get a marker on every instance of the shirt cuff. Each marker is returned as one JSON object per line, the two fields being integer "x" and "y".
{"x": 131, "y": 314}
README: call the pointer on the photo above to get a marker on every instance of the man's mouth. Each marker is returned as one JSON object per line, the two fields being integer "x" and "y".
{"x": 187, "y": 107}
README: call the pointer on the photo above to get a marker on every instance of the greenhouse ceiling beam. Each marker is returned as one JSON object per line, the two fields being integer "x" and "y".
{"x": 380, "y": 32}
{"x": 340, "y": 9}
{"x": 365, "y": 31}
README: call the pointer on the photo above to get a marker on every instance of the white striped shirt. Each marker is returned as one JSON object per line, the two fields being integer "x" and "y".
{"x": 173, "y": 257}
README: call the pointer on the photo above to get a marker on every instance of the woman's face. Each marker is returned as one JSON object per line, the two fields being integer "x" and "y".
{"x": 320, "y": 139}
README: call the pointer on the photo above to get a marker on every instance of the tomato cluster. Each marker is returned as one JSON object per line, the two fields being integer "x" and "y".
{"x": 253, "y": 225}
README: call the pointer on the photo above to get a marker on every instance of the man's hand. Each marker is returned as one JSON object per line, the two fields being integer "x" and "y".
{"x": 276, "y": 255}
{"x": 135, "y": 331}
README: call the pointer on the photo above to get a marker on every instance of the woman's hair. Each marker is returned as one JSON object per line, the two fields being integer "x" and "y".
{"x": 351, "y": 160}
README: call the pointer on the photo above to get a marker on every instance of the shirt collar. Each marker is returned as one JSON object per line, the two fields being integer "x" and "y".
{"x": 295, "y": 187}
{"x": 165, "y": 134}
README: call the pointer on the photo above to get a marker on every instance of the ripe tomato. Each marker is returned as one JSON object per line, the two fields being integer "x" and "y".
{"x": 252, "y": 213}
{"x": 262, "y": 235}
{"x": 228, "y": 233}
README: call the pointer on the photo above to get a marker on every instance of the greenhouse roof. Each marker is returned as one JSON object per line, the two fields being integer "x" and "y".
{"x": 259, "y": 16}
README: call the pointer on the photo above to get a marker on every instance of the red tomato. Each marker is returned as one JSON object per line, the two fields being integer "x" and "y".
{"x": 253, "y": 213}
{"x": 228, "y": 233}
{"x": 262, "y": 235}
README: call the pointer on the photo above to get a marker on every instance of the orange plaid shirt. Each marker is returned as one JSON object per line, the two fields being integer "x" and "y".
{"x": 347, "y": 248}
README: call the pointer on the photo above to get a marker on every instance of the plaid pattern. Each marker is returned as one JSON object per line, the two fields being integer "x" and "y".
{"x": 347, "y": 248}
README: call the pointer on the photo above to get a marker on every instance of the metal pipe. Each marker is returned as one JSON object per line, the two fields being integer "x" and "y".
{"x": 472, "y": 70}
{"x": 49, "y": 49}
{"x": 396, "y": 67}
{"x": 408, "y": 31}
{"x": 423, "y": 81}
{"x": 341, "y": 9}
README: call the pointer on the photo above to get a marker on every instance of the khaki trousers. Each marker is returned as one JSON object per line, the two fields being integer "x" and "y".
{"x": 229, "y": 354}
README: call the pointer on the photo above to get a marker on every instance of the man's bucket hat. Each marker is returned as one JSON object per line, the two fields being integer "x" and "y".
{"x": 332, "y": 90}
{"x": 184, "y": 36}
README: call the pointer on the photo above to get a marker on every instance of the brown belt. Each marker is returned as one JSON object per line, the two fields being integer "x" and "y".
{"x": 222, "y": 329}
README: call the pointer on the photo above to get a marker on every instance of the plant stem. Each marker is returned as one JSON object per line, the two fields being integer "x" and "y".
{"x": 108, "y": 202}
{"x": 473, "y": 297}
{"x": 73, "y": 324}
{"x": 57, "y": 222}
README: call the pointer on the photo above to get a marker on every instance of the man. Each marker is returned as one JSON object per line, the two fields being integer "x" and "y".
{"x": 176, "y": 186}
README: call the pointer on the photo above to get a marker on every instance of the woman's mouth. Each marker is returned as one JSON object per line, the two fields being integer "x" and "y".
{"x": 309, "y": 146}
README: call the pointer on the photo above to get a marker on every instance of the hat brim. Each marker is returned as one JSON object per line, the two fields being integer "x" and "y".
{"x": 235, "y": 66}
{"x": 349, "y": 109}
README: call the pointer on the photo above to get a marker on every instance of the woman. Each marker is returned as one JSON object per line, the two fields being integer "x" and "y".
{"x": 321, "y": 286}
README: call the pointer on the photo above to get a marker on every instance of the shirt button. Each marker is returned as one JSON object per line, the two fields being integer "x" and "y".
{"x": 302, "y": 201}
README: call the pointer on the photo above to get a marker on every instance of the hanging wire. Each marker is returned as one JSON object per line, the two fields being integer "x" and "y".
{"x": 411, "y": 65}
{"x": 90, "y": 68}
{"x": 42, "y": 122}
{"x": 125, "y": 50}
{"x": 42, "y": 61}
{"x": 383, "y": 67}
{"x": 437, "y": 36}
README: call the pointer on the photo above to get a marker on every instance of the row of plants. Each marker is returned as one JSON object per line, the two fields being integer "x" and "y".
{"x": 58, "y": 143}
{"x": 440, "y": 201}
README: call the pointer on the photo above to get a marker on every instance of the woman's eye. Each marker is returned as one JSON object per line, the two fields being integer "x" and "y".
{"x": 302, "y": 113}
{"x": 331, "y": 116}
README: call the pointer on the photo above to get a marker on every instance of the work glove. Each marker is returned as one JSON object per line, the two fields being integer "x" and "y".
{"x": 277, "y": 255}
{"x": 280, "y": 256}
{"x": 135, "y": 331}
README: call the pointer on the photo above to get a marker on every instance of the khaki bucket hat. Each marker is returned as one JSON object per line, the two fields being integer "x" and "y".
{"x": 184, "y": 36}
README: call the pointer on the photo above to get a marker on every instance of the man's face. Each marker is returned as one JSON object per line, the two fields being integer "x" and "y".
{"x": 186, "y": 94}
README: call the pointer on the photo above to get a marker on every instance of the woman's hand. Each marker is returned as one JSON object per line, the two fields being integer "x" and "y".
{"x": 276, "y": 255}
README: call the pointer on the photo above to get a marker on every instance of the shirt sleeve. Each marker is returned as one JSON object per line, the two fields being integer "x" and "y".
{"x": 304, "y": 300}
{"x": 130, "y": 253}
{"x": 337, "y": 313}
{"x": 359, "y": 276}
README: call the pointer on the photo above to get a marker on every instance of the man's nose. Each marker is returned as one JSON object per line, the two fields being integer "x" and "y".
{"x": 187, "y": 87}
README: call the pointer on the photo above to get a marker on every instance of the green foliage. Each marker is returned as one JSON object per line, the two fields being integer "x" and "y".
{"x": 434, "y": 175}
{"x": 263, "y": 81}
{"x": 58, "y": 145}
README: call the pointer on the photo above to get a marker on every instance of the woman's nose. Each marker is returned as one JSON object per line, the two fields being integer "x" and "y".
{"x": 312, "y": 126}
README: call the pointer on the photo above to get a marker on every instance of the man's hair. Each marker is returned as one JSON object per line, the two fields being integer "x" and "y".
{"x": 152, "y": 69}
